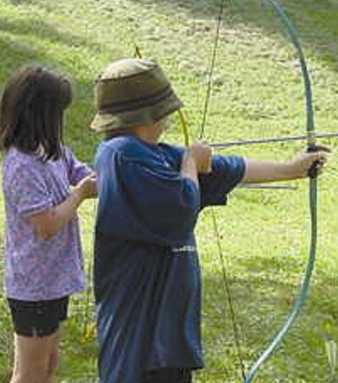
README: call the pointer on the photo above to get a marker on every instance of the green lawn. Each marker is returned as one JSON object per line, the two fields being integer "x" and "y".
{"x": 257, "y": 92}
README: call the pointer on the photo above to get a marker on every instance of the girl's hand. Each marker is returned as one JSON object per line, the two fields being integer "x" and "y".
{"x": 304, "y": 162}
{"x": 87, "y": 187}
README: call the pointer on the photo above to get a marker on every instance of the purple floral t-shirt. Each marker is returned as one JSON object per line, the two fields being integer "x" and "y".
{"x": 38, "y": 269}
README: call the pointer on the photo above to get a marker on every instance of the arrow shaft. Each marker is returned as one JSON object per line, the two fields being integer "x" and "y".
{"x": 267, "y": 187}
{"x": 271, "y": 140}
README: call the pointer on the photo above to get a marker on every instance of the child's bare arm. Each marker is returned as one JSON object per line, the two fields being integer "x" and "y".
{"x": 270, "y": 171}
{"x": 48, "y": 223}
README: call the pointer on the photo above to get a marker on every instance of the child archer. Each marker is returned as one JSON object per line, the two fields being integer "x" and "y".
{"x": 147, "y": 274}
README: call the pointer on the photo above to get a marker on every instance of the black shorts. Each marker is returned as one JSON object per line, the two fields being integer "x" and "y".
{"x": 168, "y": 375}
{"x": 41, "y": 318}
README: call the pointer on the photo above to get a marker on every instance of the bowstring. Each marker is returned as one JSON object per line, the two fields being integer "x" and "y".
{"x": 226, "y": 284}
{"x": 227, "y": 289}
{"x": 212, "y": 69}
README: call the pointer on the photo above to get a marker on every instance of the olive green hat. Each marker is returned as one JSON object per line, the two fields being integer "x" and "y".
{"x": 130, "y": 93}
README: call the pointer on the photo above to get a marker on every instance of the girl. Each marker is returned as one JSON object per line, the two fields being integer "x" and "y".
{"x": 43, "y": 259}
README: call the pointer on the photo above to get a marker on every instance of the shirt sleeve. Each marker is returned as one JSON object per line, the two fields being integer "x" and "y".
{"x": 227, "y": 173}
{"x": 28, "y": 191}
{"x": 77, "y": 170}
{"x": 146, "y": 203}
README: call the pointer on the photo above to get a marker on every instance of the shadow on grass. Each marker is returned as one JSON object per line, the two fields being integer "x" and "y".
{"x": 261, "y": 305}
{"x": 6, "y": 341}
{"x": 15, "y": 53}
{"x": 47, "y": 32}
{"x": 316, "y": 21}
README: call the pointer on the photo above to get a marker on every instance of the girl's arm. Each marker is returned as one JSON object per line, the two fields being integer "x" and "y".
{"x": 77, "y": 170}
{"x": 47, "y": 224}
{"x": 270, "y": 171}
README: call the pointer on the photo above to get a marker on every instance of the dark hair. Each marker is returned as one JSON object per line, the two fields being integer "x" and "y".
{"x": 31, "y": 111}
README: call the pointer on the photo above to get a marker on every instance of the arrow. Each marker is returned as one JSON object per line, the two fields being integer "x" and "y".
{"x": 267, "y": 187}
{"x": 271, "y": 140}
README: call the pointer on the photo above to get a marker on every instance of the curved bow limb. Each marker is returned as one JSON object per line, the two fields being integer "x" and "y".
{"x": 310, "y": 137}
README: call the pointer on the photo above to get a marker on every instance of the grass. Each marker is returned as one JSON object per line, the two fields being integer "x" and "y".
{"x": 257, "y": 92}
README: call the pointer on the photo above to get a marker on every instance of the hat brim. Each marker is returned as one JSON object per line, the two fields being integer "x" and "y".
{"x": 104, "y": 122}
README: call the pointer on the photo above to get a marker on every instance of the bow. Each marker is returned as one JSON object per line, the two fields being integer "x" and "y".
{"x": 310, "y": 137}
{"x": 311, "y": 146}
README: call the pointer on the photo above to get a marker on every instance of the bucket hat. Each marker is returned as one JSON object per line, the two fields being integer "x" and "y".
{"x": 130, "y": 93}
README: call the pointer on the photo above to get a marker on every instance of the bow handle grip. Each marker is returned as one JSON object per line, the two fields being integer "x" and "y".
{"x": 315, "y": 167}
